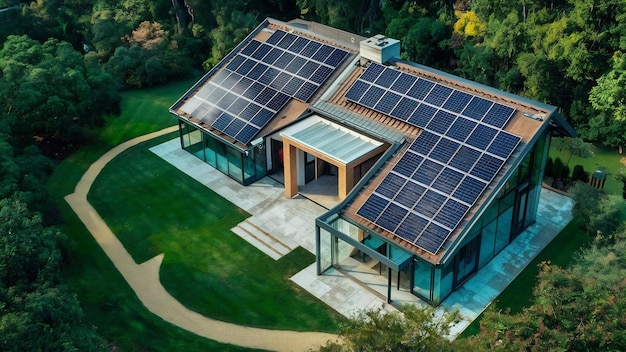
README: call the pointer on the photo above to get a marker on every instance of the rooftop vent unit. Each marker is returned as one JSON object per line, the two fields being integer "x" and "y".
{"x": 379, "y": 49}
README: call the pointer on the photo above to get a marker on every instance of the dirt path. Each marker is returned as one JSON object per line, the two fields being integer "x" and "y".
{"x": 144, "y": 278}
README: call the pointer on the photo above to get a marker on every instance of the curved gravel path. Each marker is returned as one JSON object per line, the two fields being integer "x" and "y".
{"x": 144, "y": 278}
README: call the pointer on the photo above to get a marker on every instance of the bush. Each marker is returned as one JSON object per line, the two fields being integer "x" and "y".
{"x": 579, "y": 174}
{"x": 549, "y": 167}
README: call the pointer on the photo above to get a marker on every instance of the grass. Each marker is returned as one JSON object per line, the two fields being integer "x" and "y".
{"x": 108, "y": 302}
{"x": 604, "y": 157}
{"x": 154, "y": 208}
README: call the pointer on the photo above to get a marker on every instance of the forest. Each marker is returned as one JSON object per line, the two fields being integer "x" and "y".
{"x": 63, "y": 64}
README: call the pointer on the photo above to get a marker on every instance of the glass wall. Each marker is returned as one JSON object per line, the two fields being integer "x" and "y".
{"x": 422, "y": 279}
{"x": 244, "y": 167}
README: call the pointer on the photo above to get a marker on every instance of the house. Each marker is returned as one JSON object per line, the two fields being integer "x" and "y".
{"x": 432, "y": 174}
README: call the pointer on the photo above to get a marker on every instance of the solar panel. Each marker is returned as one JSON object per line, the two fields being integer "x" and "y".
{"x": 261, "y": 51}
{"x": 321, "y": 74}
{"x": 371, "y": 72}
{"x": 409, "y": 194}
{"x": 253, "y": 90}
{"x": 262, "y": 117}
{"x": 246, "y": 134}
{"x": 268, "y": 76}
{"x": 387, "y": 77}
{"x": 447, "y": 181}
{"x": 322, "y": 53}
{"x": 249, "y": 112}
{"x": 481, "y": 137}
{"x": 237, "y": 107}
{"x": 465, "y": 158}
{"x": 222, "y": 121}
{"x": 251, "y": 47}
{"x": 371, "y": 97}
{"x": 226, "y": 100}
{"x": 298, "y": 44}
{"x": 461, "y": 129}
{"x": 278, "y": 101}
{"x": 424, "y": 143}
{"x": 357, "y": 90}
{"x": 427, "y": 172}
{"x": 390, "y": 185}
{"x": 477, "y": 108}
{"x": 403, "y": 83}
{"x": 498, "y": 115}
{"x": 307, "y": 70}
{"x": 310, "y": 49}
{"x": 280, "y": 81}
{"x": 444, "y": 150}
{"x": 387, "y": 102}
{"x": 272, "y": 56}
{"x": 257, "y": 71}
{"x": 469, "y": 190}
{"x": 432, "y": 238}
{"x": 392, "y": 217}
{"x": 487, "y": 167}
{"x": 306, "y": 91}
{"x": 235, "y": 62}
{"x": 451, "y": 213}
{"x": 275, "y": 37}
{"x": 420, "y": 89}
{"x": 411, "y": 227}
{"x": 422, "y": 115}
{"x": 286, "y": 41}
{"x": 438, "y": 95}
{"x": 441, "y": 122}
{"x": 293, "y": 86}
{"x": 245, "y": 67}
{"x": 430, "y": 203}
{"x": 408, "y": 164}
{"x": 296, "y": 64}
{"x": 404, "y": 109}
{"x": 504, "y": 144}
{"x": 373, "y": 207}
{"x": 235, "y": 126}
{"x": 336, "y": 57}
{"x": 457, "y": 101}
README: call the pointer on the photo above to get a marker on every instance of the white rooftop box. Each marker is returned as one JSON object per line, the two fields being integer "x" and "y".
{"x": 380, "y": 49}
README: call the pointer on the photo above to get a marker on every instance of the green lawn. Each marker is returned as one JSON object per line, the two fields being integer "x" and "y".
{"x": 604, "y": 157}
{"x": 154, "y": 208}
{"x": 108, "y": 302}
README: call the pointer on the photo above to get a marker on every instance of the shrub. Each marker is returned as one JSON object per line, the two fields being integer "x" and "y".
{"x": 579, "y": 174}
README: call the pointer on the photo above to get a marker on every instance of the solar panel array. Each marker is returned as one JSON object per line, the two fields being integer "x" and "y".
{"x": 243, "y": 97}
{"x": 448, "y": 166}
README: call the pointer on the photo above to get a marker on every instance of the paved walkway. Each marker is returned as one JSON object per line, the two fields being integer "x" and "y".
{"x": 144, "y": 278}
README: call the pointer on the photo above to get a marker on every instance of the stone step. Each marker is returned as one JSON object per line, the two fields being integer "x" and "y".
{"x": 260, "y": 245}
{"x": 283, "y": 240}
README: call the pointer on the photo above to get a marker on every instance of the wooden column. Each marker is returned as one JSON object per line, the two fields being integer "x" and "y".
{"x": 290, "y": 168}
{"x": 345, "y": 181}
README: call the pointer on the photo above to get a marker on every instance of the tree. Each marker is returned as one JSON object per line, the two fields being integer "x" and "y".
{"x": 410, "y": 329}
{"x": 575, "y": 146}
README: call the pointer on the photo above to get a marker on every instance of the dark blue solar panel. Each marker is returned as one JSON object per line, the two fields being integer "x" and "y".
{"x": 235, "y": 126}
{"x": 284, "y": 60}
{"x": 477, "y": 108}
{"x": 469, "y": 190}
{"x": 447, "y": 180}
{"x": 403, "y": 83}
{"x": 226, "y": 100}
{"x": 237, "y": 107}
{"x": 272, "y": 56}
{"x": 390, "y": 185}
{"x": 262, "y": 117}
{"x": 246, "y": 134}
{"x": 277, "y": 102}
{"x": 235, "y": 62}
{"x": 222, "y": 122}
{"x": 387, "y": 102}
{"x": 306, "y": 91}
{"x": 427, "y": 172}
{"x": 323, "y": 53}
{"x": 321, "y": 74}
{"x": 261, "y": 51}
{"x": 268, "y": 76}
{"x": 371, "y": 72}
{"x": 266, "y": 94}
{"x": 465, "y": 158}
{"x": 299, "y": 44}
{"x": 430, "y": 203}
{"x": 253, "y": 90}
{"x": 461, "y": 129}
{"x": 357, "y": 90}
{"x": 504, "y": 144}
{"x": 387, "y": 77}
{"x": 245, "y": 67}
{"x": 280, "y": 81}
{"x": 409, "y": 194}
{"x": 275, "y": 37}
{"x": 231, "y": 80}
{"x": 286, "y": 41}
{"x": 420, "y": 89}
{"x": 218, "y": 78}
{"x": 481, "y": 137}
{"x": 336, "y": 57}
{"x": 408, "y": 164}
{"x": 372, "y": 208}
{"x": 422, "y": 115}
{"x": 424, "y": 143}
{"x": 411, "y": 227}
{"x": 293, "y": 86}
{"x": 404, "y": 109}
{"x": 307, "y": 70}
{"x": 257, "y": 71}
{"x": 210, "y": 114}
{"x": 249, "y": 112}
{"x": 391, "y": 217}
{"x": 432, "y": 238}
{"x": 487, "y": 167}
{"x": 457, "y": 101}
{"x": 441, "y": 122}
{"x": 498, "y": 115}
{"x": 251, "y": 47}
{"x": 444, "y": 150}
{"x": 371, "y": 97}
{"x": 241, "y": 86}
{"x": 296, "y": 64}
{"x": 438, "y": 95}
{"x": 451, "y": 213}
{"x": 215, "y": 95}
{"x": 310, "y": 49}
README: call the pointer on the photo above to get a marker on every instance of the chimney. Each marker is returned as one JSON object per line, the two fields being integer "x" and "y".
{"x": 379, "y": 49}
